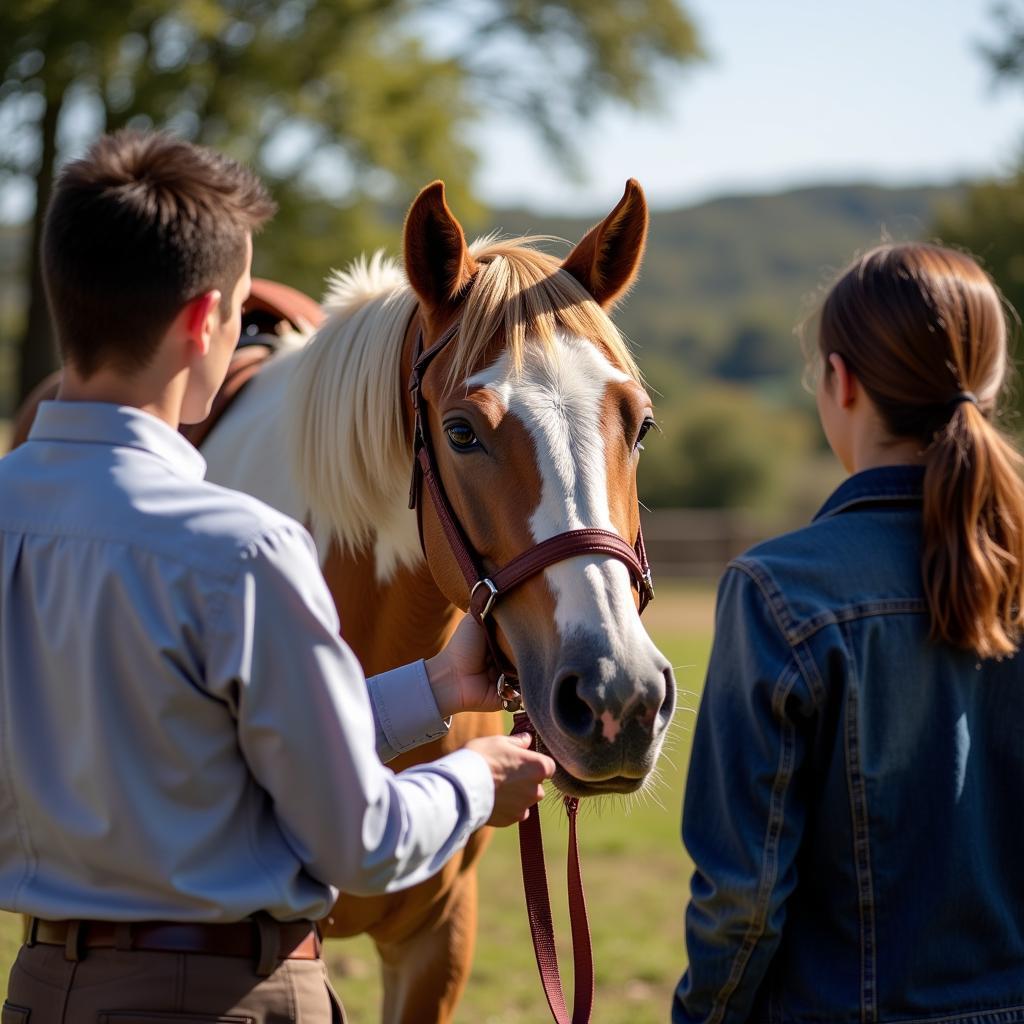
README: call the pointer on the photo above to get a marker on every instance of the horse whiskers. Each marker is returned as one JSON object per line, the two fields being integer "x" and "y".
{"x": 648, "y": 793}
{"x": 683, "y": 712}
{"x": 591, "y": 806}
{"x": 597, "y": 806}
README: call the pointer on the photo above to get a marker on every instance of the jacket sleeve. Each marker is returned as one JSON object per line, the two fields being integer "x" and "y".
{"x": 307, "y": 733}
{"x": 743, "y": 814}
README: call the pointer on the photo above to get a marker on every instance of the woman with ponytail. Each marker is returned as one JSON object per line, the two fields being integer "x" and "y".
{"x": 855, "y": 801}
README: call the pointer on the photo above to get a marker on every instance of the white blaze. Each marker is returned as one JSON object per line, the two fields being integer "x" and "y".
{"x": 559, "y": 397}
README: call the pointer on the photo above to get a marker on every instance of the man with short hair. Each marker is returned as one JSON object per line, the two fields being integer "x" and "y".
{"x": 189, "y": 767}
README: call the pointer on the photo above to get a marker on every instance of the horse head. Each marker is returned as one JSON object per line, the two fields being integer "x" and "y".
{"x": 537, "y": 413}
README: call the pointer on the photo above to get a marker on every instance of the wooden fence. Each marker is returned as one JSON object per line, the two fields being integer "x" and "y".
{"x": 698, "y": 543}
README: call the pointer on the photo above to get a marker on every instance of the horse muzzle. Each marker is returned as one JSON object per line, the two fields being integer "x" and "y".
{"x": 601, "y": 718}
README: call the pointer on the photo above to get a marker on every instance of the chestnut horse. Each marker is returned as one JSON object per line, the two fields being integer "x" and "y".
{"x": 538, "y": 414}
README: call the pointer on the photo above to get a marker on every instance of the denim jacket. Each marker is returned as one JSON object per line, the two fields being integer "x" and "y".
{"x": 855, "y": 800}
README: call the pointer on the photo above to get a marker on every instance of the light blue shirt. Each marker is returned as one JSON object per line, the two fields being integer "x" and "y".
{"x": 183, "y": 735}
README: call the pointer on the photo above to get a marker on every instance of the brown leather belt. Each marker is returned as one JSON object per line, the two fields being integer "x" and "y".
{"x": 262, "y": 938}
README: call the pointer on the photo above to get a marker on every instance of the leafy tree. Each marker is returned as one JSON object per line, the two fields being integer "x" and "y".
{"x": 340, "y": 104}
{"x": 724, "y": 447}
{"x": 990, "y": 220}
{"x": 759, "y": 349}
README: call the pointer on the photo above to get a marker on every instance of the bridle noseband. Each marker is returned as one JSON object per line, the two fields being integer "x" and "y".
{"x": 485, "y": 590}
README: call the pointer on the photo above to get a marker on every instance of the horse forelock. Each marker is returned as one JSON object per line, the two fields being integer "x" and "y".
{"x": 521, "y": 295}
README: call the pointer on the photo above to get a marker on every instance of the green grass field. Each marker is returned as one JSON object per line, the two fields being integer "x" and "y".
{"x": 635, "y": 870}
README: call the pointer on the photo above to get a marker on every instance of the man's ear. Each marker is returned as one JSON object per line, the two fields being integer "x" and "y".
{"x": 202, "y": 316}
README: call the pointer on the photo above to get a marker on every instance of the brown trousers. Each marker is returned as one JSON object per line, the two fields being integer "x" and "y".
{"x": 136, "y": 987}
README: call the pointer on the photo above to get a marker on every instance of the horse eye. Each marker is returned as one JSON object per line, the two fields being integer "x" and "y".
{"x": 461, "y": 436}
{"x": 644, "y": 429}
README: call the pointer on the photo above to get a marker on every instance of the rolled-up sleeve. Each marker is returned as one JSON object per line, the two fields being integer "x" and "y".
{"x": 743, "y": 817}
{"x": 307, "y": 732}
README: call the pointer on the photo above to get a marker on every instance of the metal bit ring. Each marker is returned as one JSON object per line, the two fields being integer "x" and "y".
{"x": 511, "y": 698}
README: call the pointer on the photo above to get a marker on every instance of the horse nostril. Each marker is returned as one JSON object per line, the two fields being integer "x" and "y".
{"x": 668, "y": 701}
{"x": 573, "y": 713}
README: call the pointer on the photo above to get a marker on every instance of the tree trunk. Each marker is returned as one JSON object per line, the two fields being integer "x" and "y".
{"x": 38, "y": 349}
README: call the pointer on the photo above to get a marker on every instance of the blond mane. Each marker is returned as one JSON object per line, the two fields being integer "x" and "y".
{"x": 348, "y": 444}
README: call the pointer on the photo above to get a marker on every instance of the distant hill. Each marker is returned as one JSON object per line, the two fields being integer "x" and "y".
{"x": 725, "y": 281}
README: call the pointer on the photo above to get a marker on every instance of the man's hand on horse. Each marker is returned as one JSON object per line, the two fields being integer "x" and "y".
{"x": 462, "y": 676}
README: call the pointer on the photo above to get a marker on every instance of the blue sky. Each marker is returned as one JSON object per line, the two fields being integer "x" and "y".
{"x": 794, "y": 92}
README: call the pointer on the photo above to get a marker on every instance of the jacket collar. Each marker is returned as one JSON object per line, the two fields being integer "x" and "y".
{"x": 883, "y": 484}
{"x": 120, "y": 426}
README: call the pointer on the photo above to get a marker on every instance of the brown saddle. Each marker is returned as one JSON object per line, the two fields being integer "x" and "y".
{"x": 271, "y": 307}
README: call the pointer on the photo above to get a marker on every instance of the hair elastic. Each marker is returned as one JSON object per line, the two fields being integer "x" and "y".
{"x": 963, "y": 396}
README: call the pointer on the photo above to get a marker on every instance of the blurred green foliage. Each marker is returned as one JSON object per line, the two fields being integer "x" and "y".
{"x": 724, "y": 447}
{"x": 990, "y": 225}
{"x": 989, "y": 222}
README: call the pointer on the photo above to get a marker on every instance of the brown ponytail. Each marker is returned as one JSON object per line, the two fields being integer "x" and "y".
{"x": 924, "y": 330}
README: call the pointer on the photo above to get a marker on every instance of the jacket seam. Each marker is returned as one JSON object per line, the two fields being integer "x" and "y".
{"x": 809, "y": 669}
{"x": 769, "y": 855}
{"x": 895, "y": 495}
{"x": 772, "y": 594}
{"x": 864, "y": 610}
{"x": 995, "y": 1016}
{"x": 861, "y": 859}
{"x": 795, "y": 632}
{"x": 784, "y": 619}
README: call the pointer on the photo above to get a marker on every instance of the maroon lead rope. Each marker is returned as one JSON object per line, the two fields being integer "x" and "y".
{"x": 538, "y": 909}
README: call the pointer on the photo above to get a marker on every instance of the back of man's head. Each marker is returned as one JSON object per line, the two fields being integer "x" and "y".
{"x": 136, "y": 229}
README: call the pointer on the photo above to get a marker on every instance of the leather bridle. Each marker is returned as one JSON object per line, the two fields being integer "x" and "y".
{"x": 485, "y": 590}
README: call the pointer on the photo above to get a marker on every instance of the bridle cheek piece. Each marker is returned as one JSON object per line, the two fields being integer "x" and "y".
{"x": 486, "y": 590}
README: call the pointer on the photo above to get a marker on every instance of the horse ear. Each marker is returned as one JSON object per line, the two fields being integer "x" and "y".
{"x": 607, "y": 258}
{"x": 437, "y": 261}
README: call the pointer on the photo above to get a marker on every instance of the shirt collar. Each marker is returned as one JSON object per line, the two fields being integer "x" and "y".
{"x": 881, "y": 484}
{"x": 120, "y": 426}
